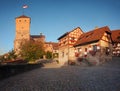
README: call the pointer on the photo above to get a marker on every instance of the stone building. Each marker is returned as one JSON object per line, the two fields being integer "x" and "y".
{"x": 66, "y": 42}
{"x": 23, "y": 34}
{"x": 22, "y": 31}
{"x": 38, "y": 38}
{"x": 95, "y": 45}
{"x": 116, "y": 42}
{"x": 52, "y": 47}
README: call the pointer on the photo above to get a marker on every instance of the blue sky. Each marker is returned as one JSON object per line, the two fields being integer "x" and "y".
{"x": 55, "y": 17}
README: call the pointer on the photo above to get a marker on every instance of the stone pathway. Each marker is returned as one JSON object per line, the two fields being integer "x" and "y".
{"x": 52, "y": 65}
{"x": 70, "y": 78}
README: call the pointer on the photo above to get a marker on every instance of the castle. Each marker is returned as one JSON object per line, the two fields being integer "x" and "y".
{"x": 23, "y": 33}
{"x": 96, "y": 45}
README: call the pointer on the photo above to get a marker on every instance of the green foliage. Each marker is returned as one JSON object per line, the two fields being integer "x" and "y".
{"x": 48, "y": 55}
{"x": 31, "y": 50}
{"x": 12, "y": 55}
{"x": 9, "y": 56}
{"x": 2, "y": 58}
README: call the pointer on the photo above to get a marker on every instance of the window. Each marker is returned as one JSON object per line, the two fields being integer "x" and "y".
{"x": 62, "y": 54}
{"x": 64, "y": 42}
{"x": 79, "y": 49}
{"x": 72, "y": 38}
{"x": 87, "y": 36}
{"x": 85, "y": 49}
{"x": 107, "y": 51}
{"x": 118, "y": 37}
{"x": 94, "y": 47}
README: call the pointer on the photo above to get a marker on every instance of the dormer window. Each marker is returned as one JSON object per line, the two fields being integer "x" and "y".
{"x": 72, "y": 38}
{"x": 118, "y": 37}
{"x": 87, "y": 36}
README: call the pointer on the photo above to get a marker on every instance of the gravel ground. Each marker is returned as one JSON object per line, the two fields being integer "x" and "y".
{"x": 105, "y": 77}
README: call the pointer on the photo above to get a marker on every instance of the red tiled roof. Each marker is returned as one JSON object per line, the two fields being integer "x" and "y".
{"x": 116, "y": 35}
{"x": 92, "y": 36}
{"x": 23, "y": 16}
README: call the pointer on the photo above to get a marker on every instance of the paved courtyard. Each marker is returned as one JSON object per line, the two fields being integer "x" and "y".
{"x": 105, "y": 77}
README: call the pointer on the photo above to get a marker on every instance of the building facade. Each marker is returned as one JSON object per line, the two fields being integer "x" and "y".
{"x": 66, "y": 42}
{"x": 95, "y": 45}
{"x": 116, "y": 42}
{"x": 22, "y": 31}
{"x": 53, "y": 48}
{"x": 23, "y": 34}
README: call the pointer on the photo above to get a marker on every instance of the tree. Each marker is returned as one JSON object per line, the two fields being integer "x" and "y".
{"x": 31, "y": 50}
{"x": 9, "y": 56}
{"x": 48, "y": 55}
{"x": 12, "y": 55}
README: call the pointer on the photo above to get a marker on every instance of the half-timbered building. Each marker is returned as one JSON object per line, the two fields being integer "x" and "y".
{"x": 96, "y": 45}
{"x": 66, "y": 42}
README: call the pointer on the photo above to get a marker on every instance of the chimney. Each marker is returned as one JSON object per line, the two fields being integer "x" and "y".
{"x": 96, "y": 27}
{"x": 40, "y": 33}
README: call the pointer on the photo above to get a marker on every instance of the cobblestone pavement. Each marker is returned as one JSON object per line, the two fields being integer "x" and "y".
{"x": 52, "y": 65}
{"x": 105, "y": 77}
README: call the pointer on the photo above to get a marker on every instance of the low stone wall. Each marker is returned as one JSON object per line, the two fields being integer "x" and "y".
{"x": 13, "y": 69}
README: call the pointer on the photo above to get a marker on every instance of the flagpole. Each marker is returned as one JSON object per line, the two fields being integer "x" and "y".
{"x": 24, "y": 7}
{"x": 23, "y": 11}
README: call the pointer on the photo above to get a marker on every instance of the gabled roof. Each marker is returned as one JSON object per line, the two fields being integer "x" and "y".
{"x": 116, "y": 35}
{"x": 22, "y": 16}
{"x": 65, "y": 34}
{"x": 92, "y": 36}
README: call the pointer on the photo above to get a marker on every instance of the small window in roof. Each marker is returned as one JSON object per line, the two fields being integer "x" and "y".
{"x": 87, "y": 36}
{"x": 91, "y": 33}
{"x": 118, "y": 37}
